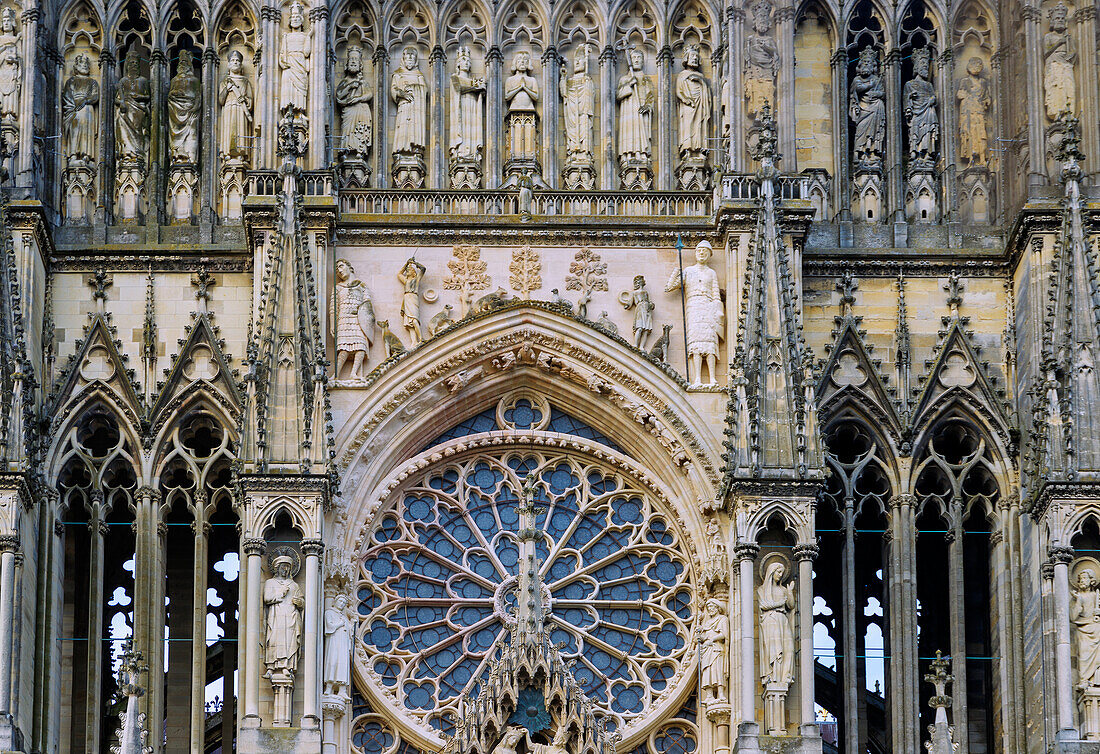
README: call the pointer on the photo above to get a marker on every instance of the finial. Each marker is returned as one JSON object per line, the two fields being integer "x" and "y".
{"x": 203, "y": 281}
{"x": 100, "y": 281}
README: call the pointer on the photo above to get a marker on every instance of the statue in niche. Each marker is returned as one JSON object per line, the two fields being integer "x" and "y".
{"x": 761, "y": 61}
{"x": 11, "y": 69}
{"x": 579, "y": 93}
{"x": 705, "y": 313}
{"x": 727, "y": 116}
{"x": 184, "y": 108}
{"x": 409, "y": 91}
{"x": 713, "y": 638}
{"x": 353, "y": 96}
{"x": 638, "y": 300}
{"x": 467, "y": 108}
{"x": 235, "y": 101}
{"x": 867, "y": 109}
{"x": 351, "y": 320}
{"x": 694, "y": 98}
{"x": 1059, "y": 56}
{"x": 509, "y": 743}
{"x": 79, "y": 98}
{"x": 521, "y": 93}
{"x": 338, "y": 630}
{"x": 294, "y": 62}
{"x": 283, "y": 604}
{"x": 636, "y": 97}
{"x": 776, "y": 601}
{"x": 409, "y": 277}
{"x": 920, "y": 111}
{"x": 132, "y": 112}
{"x": 1085, "y": 616}
{"x": 974, "y": 99}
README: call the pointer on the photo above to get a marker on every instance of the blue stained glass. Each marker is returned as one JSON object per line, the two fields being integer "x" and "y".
{"x": 453, "y": 682}
{"x": 373, "y": 738}
{"x": 419, "y": 696}
{"x": 566, "y": 424}
{"x": 388, "y": 671}
{"x": 660, "y": 675}
{"x": 523, "y": 416}
{"x": 680, "y": 603}
{"x": 675, "y": 739}
{"x": 486, "y": 421}
{"x": 626, "y": 698}
{"x": 368, "y": 601}
{"x": 444, "y": 723}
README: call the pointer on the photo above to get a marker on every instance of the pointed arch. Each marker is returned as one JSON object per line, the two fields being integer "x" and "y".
{"x": 225, "y": 11}
{"x": 578, "y": 21}
{"x": 408, "y": 22}
{"x": 467, "y": 22}
{"x": 637, "y": 22}
{"x": 694, "y": 18}
{"x": 522, "y": 22}
{"x": 81, "y": 26}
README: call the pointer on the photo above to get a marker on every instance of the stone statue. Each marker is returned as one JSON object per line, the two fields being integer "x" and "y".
{"x": 695, "y": 104}
{"x": 638, "y": 300}
{"x": 1085, "y": 615}
{"x": 867, "y": 109}
{"x": 132, "y": 112}
{"x": 353, "y": 96}
{"x": 521, "y": 93}
{"x": 351, "y": 320}
{"x": 338, "y": 629}
{"x": 558, "y": 744}
{"x": 776, "y": 601}
{"x": 283, "y": 604}
{"x": 235, "y": 100}
{"x": 467, "y": 110}
{"x": 579, "y": 94}
{"x": 294, "y": 62}
{"x": 974, "y": 99}
{"x": 636, "y": 98}
{"x": 410, "y": 276}
{"x": 509, "y": 743}
{"x": 1059, "y": 56}
{"x": 79, "y": 98}
{"x": 184, "y": 109}
{"x": 920, "y": 110}
{"x": 761, "y": 61}
{"x": 11, "y": 69}
{"x": 713, "y": 636}
{"x": 705, "y": 313}
{"x": 410, "y": 91}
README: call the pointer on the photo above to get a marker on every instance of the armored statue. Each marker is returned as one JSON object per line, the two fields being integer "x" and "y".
{"x": 761, "y": 60}
{"x": 705, "y": 313}
{"x": 235, "y": 116}
{"x": 351, "y": 320}
{"x": 132, "y": 112}
{"x": 11, "y": 68}
{"x": 184, "y": 109}
{"x": 695, "y": 103}
{"x": 79, "y": 98}
{"x": 353, "y": 96}
{"x": 867, "y": 109}
{"x": 973, "y": 95}
{"x": 294, "y": 62}
{"x": 920, "y": 111}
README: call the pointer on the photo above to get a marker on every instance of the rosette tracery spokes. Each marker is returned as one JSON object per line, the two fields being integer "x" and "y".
{"x": 438, "y": 585}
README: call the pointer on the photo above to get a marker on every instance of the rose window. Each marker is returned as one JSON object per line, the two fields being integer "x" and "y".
{"x": 437, "y": 587}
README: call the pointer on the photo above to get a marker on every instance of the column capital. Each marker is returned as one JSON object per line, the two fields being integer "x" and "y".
{"x": 9, "y": 542}
{"x": 665, "y": 55}
{"x": 254, "y": 546}
{"x": 1060, "y": 554}
{"x": 1046, "y": 570}
{"x": 313, "y": 547}
{"x": 437, "y": 55}
{"x": 145, "y": 492}
{"x": 746, "y": 551}
{"x": 494, "y": 55}
{"x": 806, "y": 551}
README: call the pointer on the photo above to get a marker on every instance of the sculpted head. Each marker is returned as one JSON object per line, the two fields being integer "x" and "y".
{"x": 703, "y": 251}
{"x": 354, "y": 61}
{"x": 1086, "y": 580}
{"x": 639, "y": 283}
{"x": 521, "y": 63}
{"x": 236, "y": 61}
{"x": 762, "y": 17}
{"x": 344, "y": 270}
{"x": 297, "y": 16}
{"x": 341, "y": 602}
{"x": 7, "y": 20}
{"x": 691, "y": 56}
{"x": 868, "y": 62}
{"x": 185, "y": 67}
{"x": 281, "y": 566}
{"x": 464, "y": 61}
{"x": 1058, "y": 17}
{"x": 580, "y": 59}
{"x": 82, "y": 65}
{"x": 409, "y": 58}
{"x": 713, "y": 607}
{"x": 637, "y": 59}
{"x": 775, "y": 574}
{"x": 975, "y": 66}
{"x": 922, "y": 60}
{"x": 132, "y": 68}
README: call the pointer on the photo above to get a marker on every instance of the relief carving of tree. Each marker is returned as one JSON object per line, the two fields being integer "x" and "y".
{"x": 587, "y": 274}
{"x": 468, "y": 274}
{"x": 526, "y": 269}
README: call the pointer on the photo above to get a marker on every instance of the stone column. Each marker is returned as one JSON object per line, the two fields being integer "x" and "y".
{"x": 1060, "y": 558}
{"x": 666, "y": 121}
{"x": 903, "y": 688}
{"x": 894, "y": 148}
{"x": 24, "y": 158}
{"x": 784, "y": 34}
{"x": 94, "y": 678}
{"x": 158, "y": 160}
{"x": 494, "y": 116}
{"x": 251, "y": 615}
{"x": 319, "y": 103}
{"x": 957, "y": 605}
{"x": 198, "y": 624}
{"x": 842, "y": 195}
{"x": 148, "y": 603}
{"x": 9, "y": 546}
{"x": 551, "y": 100}
{"x": 208, "y": 150}
{"x": 381, "y": 156}
{"x": 268, "y": 85}
{"x": 608, "y": 106}
{"x": 944, "y": 81}
{"x": 105, "y": 189}
{"x": 734, "y": 21}
{"x": 1033, "y": 35}
{"x": 805, "y": 554}
{"x": 1083, "y": 28}
{"x": 16, "y": 680}
{"x": 850, "y": 677}
{"x": 437, "y": 170}
{"x": 746, "y": 553}
{"x": 311, "y": 634}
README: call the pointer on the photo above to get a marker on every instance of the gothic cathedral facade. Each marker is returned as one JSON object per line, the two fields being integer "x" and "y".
{"x": 549, "y": 377}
